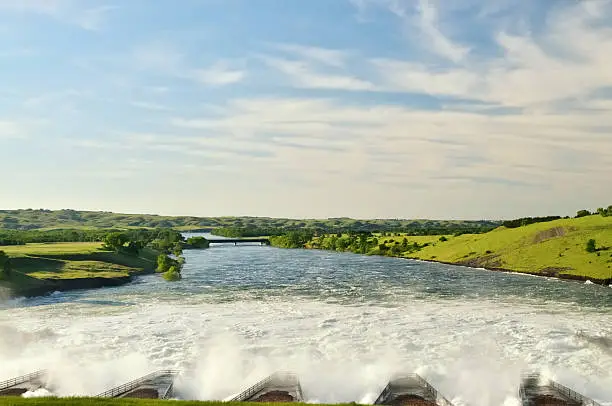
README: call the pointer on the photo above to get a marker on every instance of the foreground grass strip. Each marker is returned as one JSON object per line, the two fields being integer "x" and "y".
{"x": 9, "y": 401}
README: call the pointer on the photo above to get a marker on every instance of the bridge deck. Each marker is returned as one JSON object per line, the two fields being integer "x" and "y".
{"x": 238, "y": 240}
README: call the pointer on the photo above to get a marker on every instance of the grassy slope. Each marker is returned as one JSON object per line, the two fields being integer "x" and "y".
{"x": 122, "y": 402}
{"x": 557, "y": 246}
{"x": 72, "y": 261}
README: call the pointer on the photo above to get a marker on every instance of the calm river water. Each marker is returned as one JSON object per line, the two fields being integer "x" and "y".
{"x": 343, "y": 322}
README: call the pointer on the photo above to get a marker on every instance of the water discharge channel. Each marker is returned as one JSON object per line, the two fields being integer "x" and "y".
{"x": 344, "y": 323}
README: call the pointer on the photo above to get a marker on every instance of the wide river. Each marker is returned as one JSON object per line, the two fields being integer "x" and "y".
{"x": 345, "y": 323}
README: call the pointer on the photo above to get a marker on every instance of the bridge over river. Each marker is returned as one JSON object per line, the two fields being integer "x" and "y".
{"x": 236, "y": 241}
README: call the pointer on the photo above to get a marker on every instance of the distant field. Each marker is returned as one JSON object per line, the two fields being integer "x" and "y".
{"x": 53, "y": 261}
{"x": 556, "y": 247}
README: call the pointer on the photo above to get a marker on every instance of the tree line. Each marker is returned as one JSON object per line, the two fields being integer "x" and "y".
{"x": 356, "y": 242}
{"x": 417, "y": 230}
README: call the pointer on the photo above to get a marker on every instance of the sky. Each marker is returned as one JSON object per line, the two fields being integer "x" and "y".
{"x": 467, "y": 109}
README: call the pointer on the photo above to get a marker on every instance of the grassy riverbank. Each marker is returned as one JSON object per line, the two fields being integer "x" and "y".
{"x": 39, "y": 268}
{"x": 555, "y": 248}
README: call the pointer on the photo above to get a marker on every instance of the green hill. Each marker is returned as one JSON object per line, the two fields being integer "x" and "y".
{"x": 42, "y": 219}
{"x": 555, "y": 248}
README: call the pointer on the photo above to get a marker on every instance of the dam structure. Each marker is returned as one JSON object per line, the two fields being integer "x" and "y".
{"x": 536, "y": 390}
{"x": 281, "y": 386}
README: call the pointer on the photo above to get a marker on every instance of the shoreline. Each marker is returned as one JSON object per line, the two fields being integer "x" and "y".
{"x": 62, "y": 285}
{"x": 551, "y": 275}
{"x": 565, "y": 277}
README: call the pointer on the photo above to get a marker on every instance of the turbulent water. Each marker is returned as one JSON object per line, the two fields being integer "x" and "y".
{"x": 345, "y": 323}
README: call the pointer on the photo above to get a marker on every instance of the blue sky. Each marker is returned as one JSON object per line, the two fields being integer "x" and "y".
{"x": 319, "y": 108}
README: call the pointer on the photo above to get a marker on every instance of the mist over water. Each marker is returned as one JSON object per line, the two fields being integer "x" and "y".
{"x": 345, "y": 323}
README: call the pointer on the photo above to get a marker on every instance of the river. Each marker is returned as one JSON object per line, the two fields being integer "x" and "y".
{"x": 343, "y": 322}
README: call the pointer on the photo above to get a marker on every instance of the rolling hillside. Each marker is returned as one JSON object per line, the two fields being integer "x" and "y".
{"x": 556, "y": 248}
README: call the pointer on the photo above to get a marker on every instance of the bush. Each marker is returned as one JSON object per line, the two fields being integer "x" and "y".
{"x": 583, "y": 213}
{"x": 443, "y": 238}
{"x": 590, "y": 246}
{"x": 198, "y": 242}
{"x": 172, "y": 274}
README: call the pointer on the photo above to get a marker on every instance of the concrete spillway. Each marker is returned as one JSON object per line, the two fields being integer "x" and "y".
{"x": 278, "y": 387}
{"x": 538, "y": 391}
{"x": 22, "y": 384}
{"x": 157, "y": 385}
{"x": 410, "y": 390}
{"x": 405, "y": 390}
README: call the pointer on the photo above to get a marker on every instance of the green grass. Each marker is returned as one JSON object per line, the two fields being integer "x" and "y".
{"x": 43, "y": 249}
{"x": 551, "y": 247}
{"x": 12, "y": 401}
{"x": 53, "y": 261}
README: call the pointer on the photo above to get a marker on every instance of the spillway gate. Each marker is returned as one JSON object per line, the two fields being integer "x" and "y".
{"x": 156, "y": 385}
{"x": 536, "y": 391}
{"x": 22, "y": 384}
{"x": 278, "y": 387}
{"x": 411, "y": 390}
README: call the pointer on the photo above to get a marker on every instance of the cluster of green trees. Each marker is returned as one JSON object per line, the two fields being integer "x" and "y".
{"x": 292, "y": 239}
{"x": 168, "y": 242}
{"x": 524, "y": 221}
{"x": 196, "y": 243}
{"x": 18, "y": 237}
{"x": 604, "y": 212}
{"x": 356, "y": 242}
{"x": 413, "y": 229}
{"x": 119, "y": 237}
{"x": 169, "y": 267}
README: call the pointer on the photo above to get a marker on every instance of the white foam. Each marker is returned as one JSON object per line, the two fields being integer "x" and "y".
{"x": 473, "y": 351}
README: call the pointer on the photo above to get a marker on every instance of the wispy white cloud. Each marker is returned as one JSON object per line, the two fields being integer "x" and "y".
{"x": 150, "y": 106}
{"x": 440, "y": 44}
{"x": 219, "y": 74}
{"x": 160, "y": 56}
{"x": 93, "y": 19}
{"x": 11, "y": 129}
{"x": 304, "y": 75}
{"x": 332, "y": 57}
{"x": 36, "y": 6}
{"x": 420, "y": 20}
{"x": 516, "y": 149}
{"x": 62, "y": 10}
